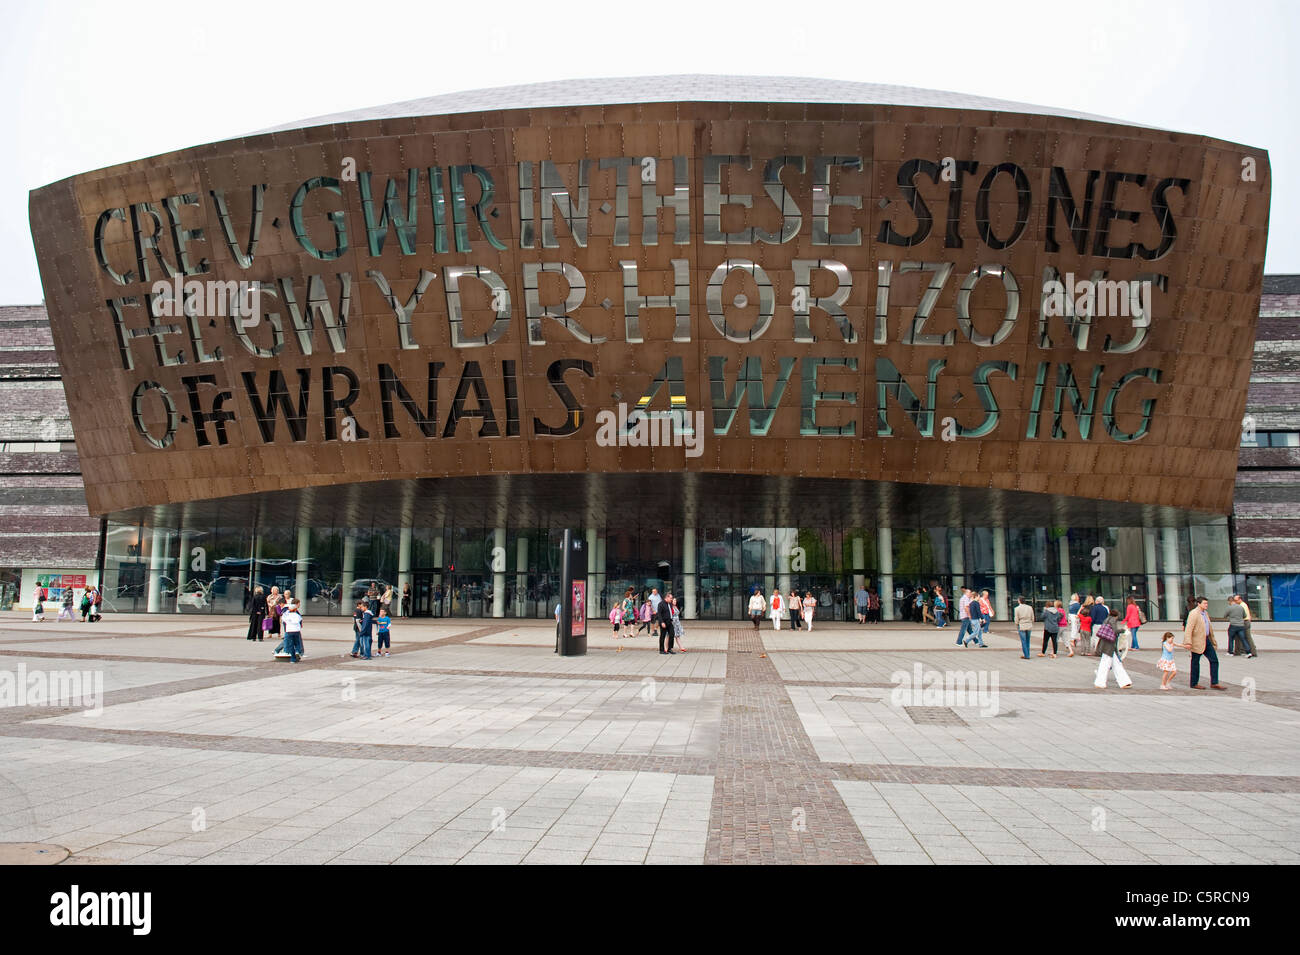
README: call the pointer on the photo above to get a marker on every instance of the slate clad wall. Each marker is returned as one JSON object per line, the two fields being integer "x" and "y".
{"x": 43, "y": 516}
{"x": 1266, "y": 504}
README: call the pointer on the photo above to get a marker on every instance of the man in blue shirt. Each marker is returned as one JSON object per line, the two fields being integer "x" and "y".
{"x": 862, "y": 598}
{"x": 1100, "y": 613}
{"x": 1072, "y": 614}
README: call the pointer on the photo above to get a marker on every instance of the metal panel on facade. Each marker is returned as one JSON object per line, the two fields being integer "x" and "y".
{"x": 842, "y": 291}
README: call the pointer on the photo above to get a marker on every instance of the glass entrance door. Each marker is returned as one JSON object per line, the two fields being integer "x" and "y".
{"x": 470, "y": 595}
{"x": 427, "y": 598}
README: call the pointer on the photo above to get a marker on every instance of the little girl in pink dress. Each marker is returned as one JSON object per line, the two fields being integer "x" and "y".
{"x": 1166, "y": 661}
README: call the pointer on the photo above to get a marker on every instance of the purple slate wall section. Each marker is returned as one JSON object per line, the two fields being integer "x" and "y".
{"x": 43, "y": 516}
{"x": 1266, "y": 502}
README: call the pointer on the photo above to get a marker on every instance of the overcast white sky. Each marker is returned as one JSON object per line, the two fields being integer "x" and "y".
{"x": 86, "y": 84}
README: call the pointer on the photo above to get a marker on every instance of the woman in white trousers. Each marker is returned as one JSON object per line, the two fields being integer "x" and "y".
{"x": 775, "y": 609}
{"x": 1107, "y": 641}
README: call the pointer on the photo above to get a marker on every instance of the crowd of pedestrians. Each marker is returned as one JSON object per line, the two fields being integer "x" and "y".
{"x": 800, "y": 611}
{"x": 1087, "y": 625}
{"x": 91, "y": 604}
{"x": 657, "y": 615}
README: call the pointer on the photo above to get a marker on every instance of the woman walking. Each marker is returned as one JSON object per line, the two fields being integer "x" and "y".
{"x": 678, "y": 630}
{"x": 256, "y": 615}
{"x": 940, "y": 608}
{"x": 1107, "y": 638}
{"x": 809, "y": 608}
{"x": 986, "y": 615}
{"x": 757, "y": 606}
{"x": 274, "y": 607}
{"x": 1133, "y": 620}
{"x": 66, "y": 605}
{"x": 628, "y": 609}
{"x": 1053, "y": 617}
{"x": 775, "y": 609}
{"x": 1085, "y": 627}
{"x": 406, "y": 600}
{"x": 794, "y": 605}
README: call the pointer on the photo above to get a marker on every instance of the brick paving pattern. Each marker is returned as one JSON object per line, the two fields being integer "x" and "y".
{"x": 473, "y": 743}
{"x": 773, "y": 800}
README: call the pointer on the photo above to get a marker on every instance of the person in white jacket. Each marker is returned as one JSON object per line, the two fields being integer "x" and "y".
{"x": 775, "y": 609}
{"x": 757, "y": 606}
{"x": 809, "y": 606}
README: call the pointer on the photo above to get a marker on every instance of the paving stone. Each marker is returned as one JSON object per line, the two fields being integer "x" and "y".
{"x": 793, "y": 755}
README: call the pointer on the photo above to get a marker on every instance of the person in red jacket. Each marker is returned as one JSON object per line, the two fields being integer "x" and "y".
{"x": 1132, "y": 620}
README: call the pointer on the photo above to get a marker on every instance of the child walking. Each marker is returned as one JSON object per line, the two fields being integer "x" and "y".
{"x": 1166, "y": 662}
{"x": 385, "y": 624}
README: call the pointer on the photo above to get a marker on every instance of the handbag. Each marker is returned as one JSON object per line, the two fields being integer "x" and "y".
{"x": 266, "y": 624}
{"x": 1142, "y": 619}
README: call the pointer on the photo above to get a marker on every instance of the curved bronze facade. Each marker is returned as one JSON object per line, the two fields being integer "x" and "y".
{"x": 840, "y": 291}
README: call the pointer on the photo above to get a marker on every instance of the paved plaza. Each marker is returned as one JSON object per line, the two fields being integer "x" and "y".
{"x": 474, "y": 742}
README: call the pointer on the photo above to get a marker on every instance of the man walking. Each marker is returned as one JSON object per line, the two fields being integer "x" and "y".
{"x": 1239, "y": 627}
{"x": 963, "y": 614}
{"x": 1198, "y": 636}
{"x": 978, "y": 622}
{"x": 655, "y": 601}
{"x": 664, "y": 614}
{"x": 1100, "y": 614}
{"x": 1024, "y": 620}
